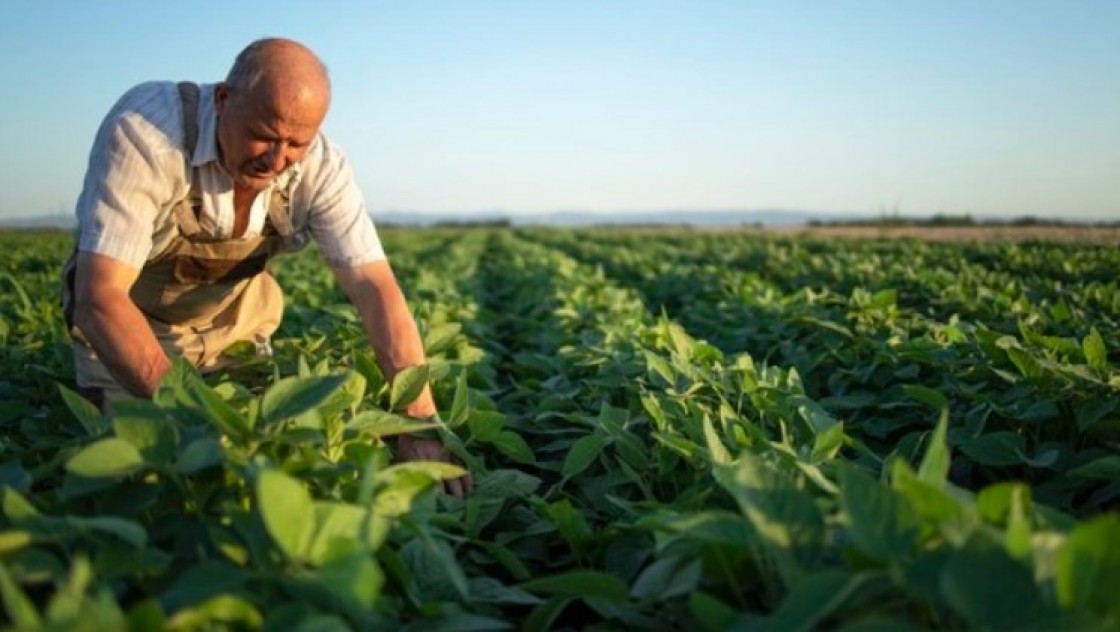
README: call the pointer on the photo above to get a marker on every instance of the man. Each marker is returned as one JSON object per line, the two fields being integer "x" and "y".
{"x": 189, "y": 191}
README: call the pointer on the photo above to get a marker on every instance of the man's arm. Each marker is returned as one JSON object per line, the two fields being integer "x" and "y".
{"x": 396, "y": 342}
{"x": 114, "y": 326}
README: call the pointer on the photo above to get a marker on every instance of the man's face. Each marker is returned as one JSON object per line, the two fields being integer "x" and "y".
{"x": 259, "y": 135}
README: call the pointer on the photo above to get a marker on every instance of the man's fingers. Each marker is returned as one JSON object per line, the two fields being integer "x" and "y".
{"x": 433, "y": 450}
{"x": 454, "y": 487}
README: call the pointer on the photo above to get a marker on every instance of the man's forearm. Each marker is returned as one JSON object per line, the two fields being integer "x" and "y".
{"x": 390, "y": 327}
{"x": 125, "y": 344}
{"x": 396, "y": 343}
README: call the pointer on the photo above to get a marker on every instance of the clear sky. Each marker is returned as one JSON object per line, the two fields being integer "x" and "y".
{"x": 991, "y": 107}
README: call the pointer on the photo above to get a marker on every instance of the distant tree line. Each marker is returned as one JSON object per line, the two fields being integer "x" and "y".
{"x": 451, "y": 223}
{"x": 944, "y": 221}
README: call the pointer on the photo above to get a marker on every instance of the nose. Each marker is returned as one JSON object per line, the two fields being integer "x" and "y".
{"x": 277, "y": 157}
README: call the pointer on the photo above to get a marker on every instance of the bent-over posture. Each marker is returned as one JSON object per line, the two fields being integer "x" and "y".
{"x": 190, "y": 190}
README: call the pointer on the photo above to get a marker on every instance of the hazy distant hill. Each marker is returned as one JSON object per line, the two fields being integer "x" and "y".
{"x": 599, "y": 218}
{"x": 592, "y": 218}
{"x": 554, "y": 218}
{"x": 44, "y": 221}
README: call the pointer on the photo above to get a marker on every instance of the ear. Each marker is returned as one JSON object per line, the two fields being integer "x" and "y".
{"x": 221, "y": 96}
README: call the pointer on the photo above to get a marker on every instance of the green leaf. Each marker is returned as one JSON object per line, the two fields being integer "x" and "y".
{"x": 1027, "y": 364}
{"x": 439, "y": 338}
{"x": 994, "y": 502}
{"x": 127, "y": 530}
{"x": 147, "y": 615}
{"x": 828, "y": 443}
{"x": 20, "y": 610}
{"x": 584, "y": 584}
{"x": 683, "y": 344}
{"x": 1096, "y": 353}
{"x": 995, "y": 448}
{"x": 712, "y": 614}
{"x": 355, "y": 578}
{"x": 105, "y": 459}
{"x": 653, "y": 408}
{"x": 436, "y": 470}
{"x": 787, "y": 520}
{"x": 1093, "y": 411}
{"x": 720, "y": 528}
{"x": 542, "y": 618}
{"x": 811, "y": 600}
{"x": 490, "y": 590}
{"x": 25, "y": 304}
{"x": 407, "y": 386}
{"x": 365, "y": 364}
{"x": 287, "y": 511}
{"x": 882, "y": 523}
{"x": 397, "y": 497}
{"x": 932, "y": 503}
{"x": 217, "y": 411}
{"x": 294, "y": 396}
{"x": 571, "y": 524}
{"x": 508, "y": 560}
{"x": 1089, "y": 567}
{"x": 668, "y": 577}
{"x": 85, "y": 412}
{"x": 1105, "y": 468}
{"x": 719, "y": 453}
{"x": 156, "y": 438}
{"x": 503, "y": 484}
{"x": 983, "y": 584}
{"x": 16, "y": 508}
{"x": 199, "y": 455}
{"x": 935, "y": 464}
{"x": 513, "y": 446}
{"x": 926, "y": 395}
{"x": 349, "y": 396}
{"x": 202, "y": 581}
{"x": 816, "y": 418}
{"x": 460, "y": 403}
{"x": 485, "y": 425}
{"x": 583, "y": 453}
{"x": 433, "y": 569}
{"x": 378, "y": 423}
{"x": 659, "y": 367}
{"x": 12, "y": 541}
{"x": 220, "y": 612}
{"x": 335, "y": 521}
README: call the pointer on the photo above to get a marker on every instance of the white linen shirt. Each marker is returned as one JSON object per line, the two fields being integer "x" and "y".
{"x": 138, "y": 171}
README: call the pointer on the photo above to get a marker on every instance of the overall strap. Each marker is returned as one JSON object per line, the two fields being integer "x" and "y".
{"x": 188, "y": 94}
{"x": 186, "y": 212}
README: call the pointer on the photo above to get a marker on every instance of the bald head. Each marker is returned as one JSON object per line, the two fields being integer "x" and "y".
{"x": 269, "y": 109}
{"x": 281, "y": 70}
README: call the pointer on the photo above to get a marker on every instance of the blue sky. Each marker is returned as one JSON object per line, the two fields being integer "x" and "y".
{"x": 990, "y": 108}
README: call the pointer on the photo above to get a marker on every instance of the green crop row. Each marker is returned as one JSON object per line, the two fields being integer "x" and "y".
{"x": 666, "y": 432}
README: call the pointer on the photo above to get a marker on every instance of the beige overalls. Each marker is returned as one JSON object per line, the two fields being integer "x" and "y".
{"x": 199, "y": 295}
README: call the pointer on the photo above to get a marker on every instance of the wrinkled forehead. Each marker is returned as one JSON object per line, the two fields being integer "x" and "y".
{"x": 294, "y": 108}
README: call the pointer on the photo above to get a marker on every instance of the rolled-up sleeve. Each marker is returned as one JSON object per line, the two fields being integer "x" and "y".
{"x": 131, "y": 175}
{"x": 336, "y": 212}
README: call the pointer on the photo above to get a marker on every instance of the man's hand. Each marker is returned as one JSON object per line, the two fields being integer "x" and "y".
{"x": 114, "y": 326}
{"x": 411, "y": 448}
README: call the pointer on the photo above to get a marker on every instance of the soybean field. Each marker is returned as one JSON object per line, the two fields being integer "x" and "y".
{"x": 667, "y": 431}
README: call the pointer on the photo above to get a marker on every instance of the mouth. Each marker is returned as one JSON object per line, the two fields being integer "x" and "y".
{"x": 260, "y": 174}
